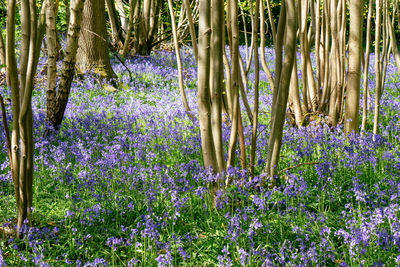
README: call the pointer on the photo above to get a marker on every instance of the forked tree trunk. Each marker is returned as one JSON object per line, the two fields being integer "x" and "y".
{"x": 207, "y": 143}
{"x": 354, "y": 73}
{"x": 146, "y": 30}
{"x": 21, "y": 91}
{"x": 93, "y": 45}
{"x": 56, "y": 106}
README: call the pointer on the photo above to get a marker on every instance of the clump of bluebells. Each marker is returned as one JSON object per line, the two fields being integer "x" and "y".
{"x": 122, "y": 184}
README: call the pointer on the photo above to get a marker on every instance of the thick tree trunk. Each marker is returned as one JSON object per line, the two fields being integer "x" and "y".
{"x": 92, "y": 53}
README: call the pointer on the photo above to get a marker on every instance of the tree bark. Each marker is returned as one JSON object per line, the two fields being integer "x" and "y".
{"x": 256, "y": 87}
{"x": 207, "y": 143}
{"x": 2, "y": 53}
{"x": 92, "y": 53}
{"x": 378, "y": 72}
{"x": 132, "y": 4}
{"x": 279, "y": 106}
{"x": 217, "y": 23}
{"x": 191, "y": 28}
{"x": 116, "y": 36}
{"x": 56, "y": 112}
{"x": 354, "y": 72}
{"x": 365, "y": 73}
{"x": 178, "y": 60}
{"x": 234, "y": 81}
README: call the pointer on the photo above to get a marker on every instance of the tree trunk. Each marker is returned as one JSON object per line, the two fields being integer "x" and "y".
{"x": 279, "y": 106}
{"x": 132, "y": 4}
{"x": 56, "y": 112}
{"x": 378, "y": 72}
{"x": 22, "y": 133}
{"x": 233, "y": 9}
{"x": 207, "y": 143}
{"x": 2, "y": 53}
{"x": 122, "y": 15}
{"x": 116, "y": 36}
{"x": 191, "y": 28}
{"x": 145, "y": 30}
{"x": 51, "y": 91}
{"x": 217, "y": 23}
{"x": 92, "y": 53}
{"x": 366, "y": 65}
{"x": 256, "y": 87}
{"x": 179, "y": 61}
{"x": 354, "y": 72}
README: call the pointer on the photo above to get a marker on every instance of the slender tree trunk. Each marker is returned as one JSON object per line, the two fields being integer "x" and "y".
{"x": 178, "y": 59}
{"x": 335, "y": 66}
{"x": 51, "y": 91}
{"x": 365, "y": 73}
{"x": 294, "y": 96}
{"x": 191, "y": 28}
{"x": 354, "y": 73}
{"x": 262, "y": 43}
{"x": 394, "y": 43}
{"x": 132, "y": 4}
{"x": 2, "y": 53}
{"x": 275, "y": 138}
{"x": 217, "y": 78}
{"x": 116, "y": 36}
{"x": 122, "y": 15}
{"x": 378, "y": 71}
{"x": 234, "y": 81}
{"x": 256, "y": 88}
